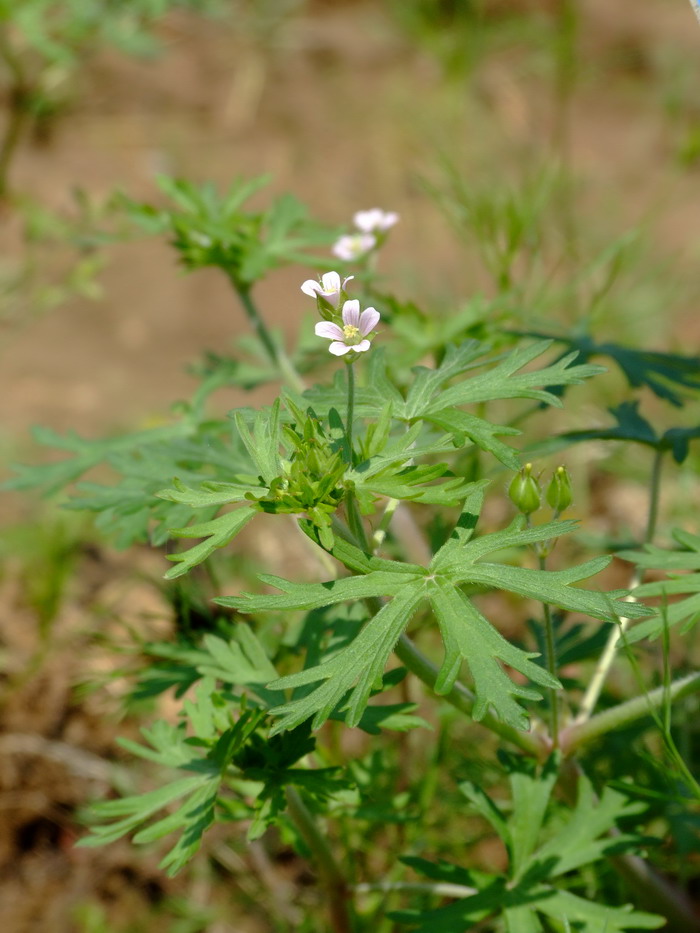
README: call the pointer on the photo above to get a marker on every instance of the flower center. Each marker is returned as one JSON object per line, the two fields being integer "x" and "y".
{"x": 351, "y": 333}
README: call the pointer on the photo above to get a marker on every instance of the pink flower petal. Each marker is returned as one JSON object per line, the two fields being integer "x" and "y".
{"x": 311, "y": 287}
{"x": 367, "y": 221}
{"x": 331, "y": 283}
{"x": 340, "y": 349}
{"x": 329, "y": 330}
{"x": 361, "y": 347}
{"x": 368, "y": 321}
{"x": 342, "y": 248}
{"x": 351, "y": 312}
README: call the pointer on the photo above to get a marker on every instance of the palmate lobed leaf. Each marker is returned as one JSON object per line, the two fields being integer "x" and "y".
{"x": 355, "y": 670}
{"x": 669, "y": 376}
{"x": 430, "y": 399}
{"x": 206, "y": 763}
{"x": 348, "y": 677}
{"x": 460, "y": 560}
{"x": 501, "y": 381}
{"x": 469, "y": 636}
{"x": 529, "y": 891}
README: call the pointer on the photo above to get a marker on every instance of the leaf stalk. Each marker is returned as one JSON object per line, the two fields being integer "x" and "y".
{"x": 607, "y": 658}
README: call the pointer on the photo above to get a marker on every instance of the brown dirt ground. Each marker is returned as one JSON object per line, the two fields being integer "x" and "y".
{"x": 345, "y": 114}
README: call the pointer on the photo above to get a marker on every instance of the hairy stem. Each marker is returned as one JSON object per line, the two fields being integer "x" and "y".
{"x": 607, "y": 658}
{"x": 276, "y": 354}
{"x": 328, "y": 869}
{"x": 579, "y": 734}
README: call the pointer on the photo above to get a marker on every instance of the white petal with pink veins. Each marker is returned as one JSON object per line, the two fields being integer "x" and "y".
{"x": 311, "y": 287}
{"x": 351, "y": 312}
{"x": 331, "y": 282}
{"x": 330, "y": 330}
{"x": 340, "y": 349}
{"x": 368, "y": 321}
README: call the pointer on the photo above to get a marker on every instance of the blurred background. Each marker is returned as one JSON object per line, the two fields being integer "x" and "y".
{"x": 348, "y": 105}
{"x": 585, "y": 117}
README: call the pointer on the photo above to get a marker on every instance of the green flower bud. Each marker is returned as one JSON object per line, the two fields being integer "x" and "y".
{"x": 559, "y": 495}
{"x": 524, "y": 491}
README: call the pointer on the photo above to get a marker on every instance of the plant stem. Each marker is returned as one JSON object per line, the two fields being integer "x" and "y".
{"x": 582, "y": 733}
{"x": 463, "y": 699}
{"x": 379, "y": 535}
{"x": 439, "y": 889}
{"x": 351, "y": 410}
{"x": 551, "y": 658}
{"x": 607, "y": 658}
{"x": 328, "y": 868}
{"x": 351, "y": 508}
{"x": 656, "y": 893}
{"x": 276, "y": 354}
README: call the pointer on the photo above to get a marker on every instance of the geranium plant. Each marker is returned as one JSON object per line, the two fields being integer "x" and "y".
{"x": 419, "y": 613}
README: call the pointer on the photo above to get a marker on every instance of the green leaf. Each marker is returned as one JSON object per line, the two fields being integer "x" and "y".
{"x": 315, "y": 595}
{"x": 469, "y": 637}
{"x": 467, "y": 634}
{"x": 429, "y": 382}
{"x": 531, "y": 793}
{"x": 242, "y": 660}
{"x": 264, "y": 442}
{"x": 86, "y": 454}
{"x": 432, "y": 400}
{"x": 530, "y": 892}
{"x": 354, "y": 670}
{"x": 669, "y": 376}
{"x": 463, "y": 564}
{"x": 583, "y": 838}
{"x": 396, "y": 717}
{"x": 485, "y": 435}
{"x": 208, "y": 494}
{"x": 219, "y": 743}
{"x": 589, "y": 917}
{"x": 631, "y": 426}
{"x": 682, "y": 567}
{"x": 217, "y": 533}
{"x": 485, "y": 807}
{"x": 502, "y": 381}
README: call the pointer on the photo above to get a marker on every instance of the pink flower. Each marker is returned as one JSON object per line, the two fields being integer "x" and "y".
{"x": 375, "y": 219}
{"x": 354, "y": 332}
{"x": 353, "y": 246}
{"x": 329, "y": 287}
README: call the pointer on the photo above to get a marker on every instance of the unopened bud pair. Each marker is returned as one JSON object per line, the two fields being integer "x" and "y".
{"x": 526, "y": 493}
